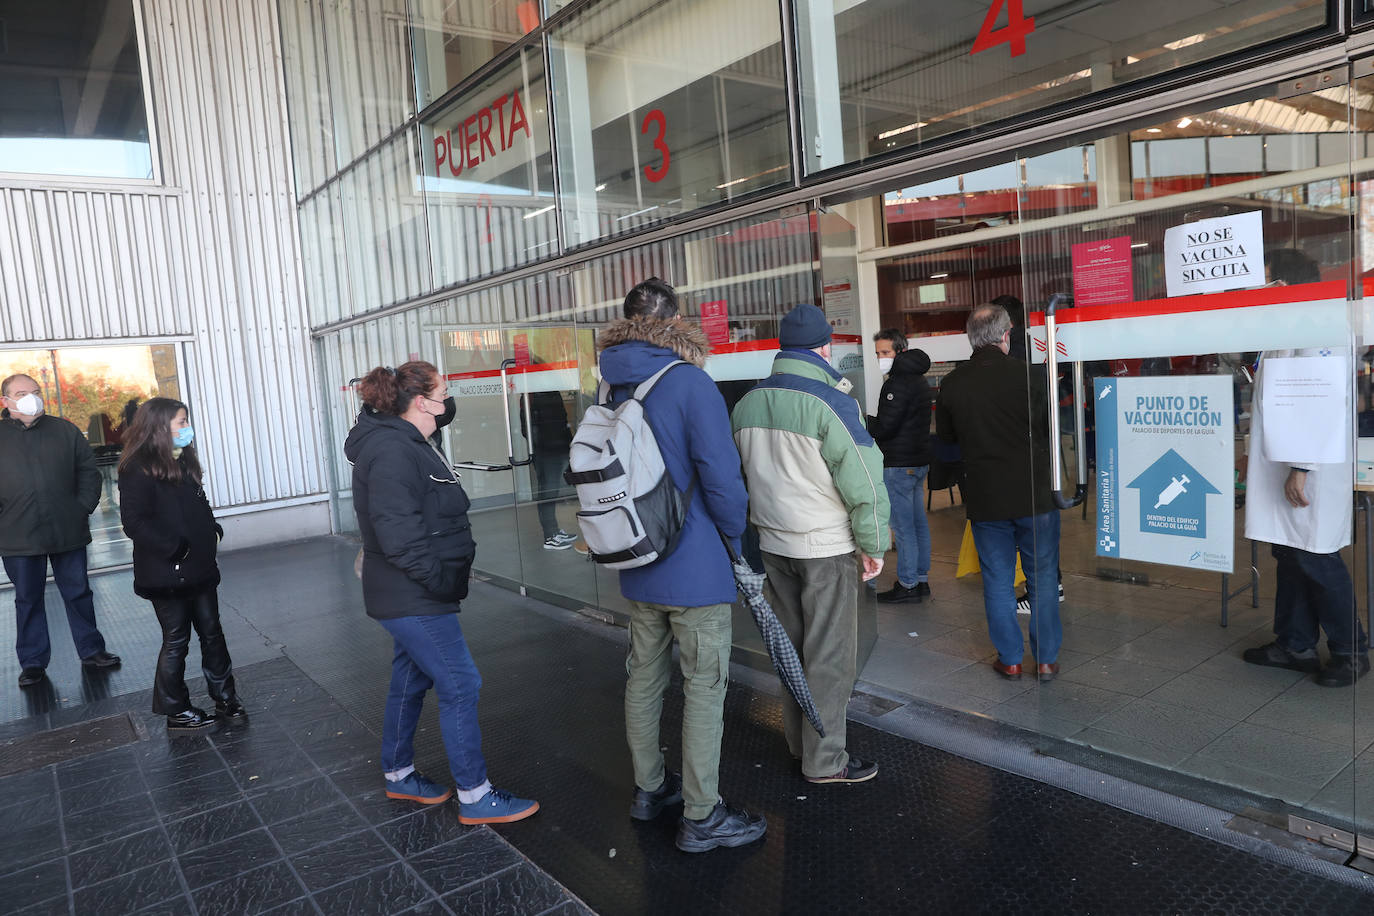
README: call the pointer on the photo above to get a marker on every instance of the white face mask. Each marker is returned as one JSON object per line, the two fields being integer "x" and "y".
{"x": 30, "y": 405}
{"x": 885, "y": 364}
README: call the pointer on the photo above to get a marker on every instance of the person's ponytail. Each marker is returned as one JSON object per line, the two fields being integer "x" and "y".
{"x": 390, "y": 391}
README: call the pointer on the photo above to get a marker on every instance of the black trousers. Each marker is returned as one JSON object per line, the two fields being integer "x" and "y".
{"x": 177, "y": 616}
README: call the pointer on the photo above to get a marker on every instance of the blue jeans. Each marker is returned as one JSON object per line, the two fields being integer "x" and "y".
{"x": 1311, "y": 590}
{"x": 29, "y": 575}
{"x": 906, "y": 493}
{"x": 431, "y": 652}
{"x": 1036, "y": 538}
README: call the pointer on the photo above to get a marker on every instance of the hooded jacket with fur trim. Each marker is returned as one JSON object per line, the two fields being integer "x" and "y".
{"x": 690, "y": 422}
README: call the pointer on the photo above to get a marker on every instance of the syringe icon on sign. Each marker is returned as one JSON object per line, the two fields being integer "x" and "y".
{"x": 1172, "y": 492}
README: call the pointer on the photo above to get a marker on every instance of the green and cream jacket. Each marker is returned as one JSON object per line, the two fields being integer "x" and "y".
{"x": 815, "y": 475}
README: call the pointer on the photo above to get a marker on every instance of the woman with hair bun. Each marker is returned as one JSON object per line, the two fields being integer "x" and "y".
{"x": 417, "y": 554}
{"x": 175, "y": 536}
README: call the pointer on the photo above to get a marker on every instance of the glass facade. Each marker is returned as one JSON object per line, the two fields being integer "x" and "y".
{"x": 876, "y": 79}
{"x": 71, "y": 90}
{"x": 528, "y": 138}
{"x": 648, "y": 127}
{"x": 488, "y": 175}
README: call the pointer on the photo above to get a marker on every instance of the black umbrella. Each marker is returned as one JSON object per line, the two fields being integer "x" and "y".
{"x": 775, "y": 639}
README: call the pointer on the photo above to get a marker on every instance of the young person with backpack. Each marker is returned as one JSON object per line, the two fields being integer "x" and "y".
{"x": 683, "y": 588}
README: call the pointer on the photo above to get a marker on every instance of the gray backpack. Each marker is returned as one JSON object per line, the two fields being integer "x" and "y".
{"x": 632, "y": 513}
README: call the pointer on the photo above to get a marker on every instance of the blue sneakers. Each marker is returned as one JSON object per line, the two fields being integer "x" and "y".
{"x": 496, "y": 807}
{"x": 418, "y": 789}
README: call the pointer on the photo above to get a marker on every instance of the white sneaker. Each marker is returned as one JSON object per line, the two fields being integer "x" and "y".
{"x": 564, "y": 536}
{"x": 554, "y": 543}
{"x": 1023, "y": 603}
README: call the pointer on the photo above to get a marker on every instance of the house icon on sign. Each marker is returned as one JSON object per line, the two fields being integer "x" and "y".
{"x": 1173, "y": 497}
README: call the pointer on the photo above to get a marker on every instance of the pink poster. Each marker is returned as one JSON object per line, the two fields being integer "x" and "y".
{"x": 522, "y": 349}
{"x": 1102, "y": 272}
{"x": 715, "y": 322}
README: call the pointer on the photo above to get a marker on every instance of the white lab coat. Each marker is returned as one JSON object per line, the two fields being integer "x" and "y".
{"x": 1323, "y": 526}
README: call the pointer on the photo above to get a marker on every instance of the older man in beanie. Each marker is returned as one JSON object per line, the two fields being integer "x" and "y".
{"x": 816, "y": 495}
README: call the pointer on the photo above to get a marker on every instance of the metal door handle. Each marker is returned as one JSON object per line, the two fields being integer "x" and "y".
{"x": 1052, "y": 394}
{"x": 529, "y": 419}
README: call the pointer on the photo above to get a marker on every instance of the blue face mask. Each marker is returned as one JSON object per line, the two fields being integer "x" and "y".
{"x": 182, "y": 437}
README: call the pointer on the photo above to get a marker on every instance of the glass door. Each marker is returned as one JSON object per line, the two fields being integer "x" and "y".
{"x": 1209, "y": 573}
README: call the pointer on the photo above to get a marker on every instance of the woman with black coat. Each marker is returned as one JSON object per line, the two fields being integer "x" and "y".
{"x": 175, "y": 537}
{"x": 417, "y": 554}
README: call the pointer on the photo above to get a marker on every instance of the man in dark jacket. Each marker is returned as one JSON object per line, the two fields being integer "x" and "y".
{"x": 901, "y": 428}
{"x": 688, "y": 593}
{"x": 49, "y": 488}
{"x": 988, "y": 406}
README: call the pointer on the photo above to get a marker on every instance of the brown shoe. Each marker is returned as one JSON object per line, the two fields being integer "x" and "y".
{"x": 1046, "y": 671}
{"x": 1010, "y": 672}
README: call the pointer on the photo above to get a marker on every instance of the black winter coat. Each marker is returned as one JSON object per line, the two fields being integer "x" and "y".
{"x": 552, "y": 435}
{"x": 174, "y": 533}
{"x": 413, "y": 517}
{"x": 49, "y": 486}
{"x": 902, "y": 424}
{"x": 986, "y": 406}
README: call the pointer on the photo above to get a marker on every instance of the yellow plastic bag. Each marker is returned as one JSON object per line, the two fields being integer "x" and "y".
{"x": 968, "y": 558}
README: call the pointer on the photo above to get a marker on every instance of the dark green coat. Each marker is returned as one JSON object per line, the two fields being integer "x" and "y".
{"x": 49, "y": 486}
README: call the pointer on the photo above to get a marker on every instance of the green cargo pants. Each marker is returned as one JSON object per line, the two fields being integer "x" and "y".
{"x": 817, "y": 602}
{"x": 703, "y": 637}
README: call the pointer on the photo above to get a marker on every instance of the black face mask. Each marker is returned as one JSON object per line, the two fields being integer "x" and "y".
{"x": 445, "y": 418}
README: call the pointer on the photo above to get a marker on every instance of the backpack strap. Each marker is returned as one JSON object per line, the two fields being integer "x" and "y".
{"x": 644, "y": 387}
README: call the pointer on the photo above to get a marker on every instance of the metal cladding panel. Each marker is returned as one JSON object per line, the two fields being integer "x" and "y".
{"x": 227, "y": 256}
{"x": 90, "y": 263}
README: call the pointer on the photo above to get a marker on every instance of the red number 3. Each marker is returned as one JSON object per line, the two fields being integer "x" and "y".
{"x": 1014, "y": 33}
{"x": 656, "y": 117}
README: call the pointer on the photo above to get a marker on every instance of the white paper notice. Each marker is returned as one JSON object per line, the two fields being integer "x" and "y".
{"x": 1212, "y": 255}
{"x": 1305, "y": 411}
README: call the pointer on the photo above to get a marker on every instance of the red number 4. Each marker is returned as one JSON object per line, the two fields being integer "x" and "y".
{"x": 1013, "y": 33}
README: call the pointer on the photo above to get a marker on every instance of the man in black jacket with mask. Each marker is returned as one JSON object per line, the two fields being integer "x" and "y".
{"x": 48, "y": 491}
{"x": 901, "y": 428}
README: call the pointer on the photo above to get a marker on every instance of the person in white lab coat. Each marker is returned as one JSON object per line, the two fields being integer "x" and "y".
{"x": 1303, "y": 510}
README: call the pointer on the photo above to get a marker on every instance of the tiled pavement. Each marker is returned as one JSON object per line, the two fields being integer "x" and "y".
{"x": 285, "y": 814}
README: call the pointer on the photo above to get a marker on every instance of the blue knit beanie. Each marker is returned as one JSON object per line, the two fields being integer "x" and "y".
{"x": 804, "y": 327}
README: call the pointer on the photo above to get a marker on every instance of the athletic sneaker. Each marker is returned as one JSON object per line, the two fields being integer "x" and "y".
{"x": 417, "y": 789}
{"x": 496, "y": 807}
{"x": 1023, "y": 603}
{"x": 564, "y": 536}
{"x": 854, "y": 771}
{"x": 554, "y": 542}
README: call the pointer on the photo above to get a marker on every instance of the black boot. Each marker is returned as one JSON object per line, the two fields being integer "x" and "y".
{"x": 724, "y": 826}
{"x": 649, "y": 805}
{"x": 230, "y": 710}
{"x": 190, "y": 720}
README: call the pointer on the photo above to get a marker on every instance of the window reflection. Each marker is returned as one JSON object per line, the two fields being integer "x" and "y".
{"x": 98, "y": 389}
{"x": 71, "y": 90}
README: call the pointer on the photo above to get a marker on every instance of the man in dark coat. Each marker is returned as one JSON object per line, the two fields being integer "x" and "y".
{"x": 988, "y": 405}
{"x": 687, "y": 594}
{"x": 48, "y": 491}
{"x": 901, "y": 427}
